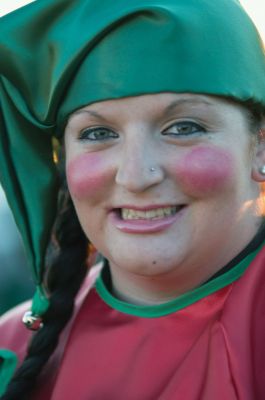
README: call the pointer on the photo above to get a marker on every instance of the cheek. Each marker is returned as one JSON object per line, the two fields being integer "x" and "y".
{"x": 204, "y": 170}
{"x": 87, "y": 174}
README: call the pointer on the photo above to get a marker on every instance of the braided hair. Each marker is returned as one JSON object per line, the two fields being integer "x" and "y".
{"x": 67, "y": 271}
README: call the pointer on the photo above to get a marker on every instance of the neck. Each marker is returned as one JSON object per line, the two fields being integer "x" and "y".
{"x": 143, "y": 290}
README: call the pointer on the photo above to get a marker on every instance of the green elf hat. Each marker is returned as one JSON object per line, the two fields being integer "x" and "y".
{"x": 59, "y": 55}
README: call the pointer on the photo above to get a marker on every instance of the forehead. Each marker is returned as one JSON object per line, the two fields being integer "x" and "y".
{"x": 159, "y": 102}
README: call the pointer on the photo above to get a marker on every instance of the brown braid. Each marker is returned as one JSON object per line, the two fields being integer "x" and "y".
{"x": 66, "y": 274}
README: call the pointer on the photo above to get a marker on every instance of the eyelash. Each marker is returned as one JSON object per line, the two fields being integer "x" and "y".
{"x": 196, "y": 130}
{"x": 84, "y": 134}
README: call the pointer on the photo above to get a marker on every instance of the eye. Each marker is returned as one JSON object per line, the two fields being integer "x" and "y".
{"x": 97, "y": 134}
{"x": 184, "y": 128}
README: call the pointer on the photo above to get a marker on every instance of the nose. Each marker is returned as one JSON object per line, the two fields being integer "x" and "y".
{"x": 139, "y": 167}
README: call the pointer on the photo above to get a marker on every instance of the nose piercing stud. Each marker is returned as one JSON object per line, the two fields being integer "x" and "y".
{"x": 262, "y": 170}
{"x": 152, "y": 169}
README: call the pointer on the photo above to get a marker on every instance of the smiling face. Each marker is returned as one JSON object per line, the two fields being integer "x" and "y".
{"x": 163, "y": 185}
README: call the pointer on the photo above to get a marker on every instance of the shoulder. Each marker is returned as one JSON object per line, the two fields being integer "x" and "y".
{"x": 13, "y": 334}
{"x": 12, "y": 319}
{"x": 248, "y": 290}
{"x": 243, "y": 313}
{"x": 253, "y": 278}
{"x": 88, "y": 284}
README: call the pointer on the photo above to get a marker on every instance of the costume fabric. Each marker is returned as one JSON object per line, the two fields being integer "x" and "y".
{"x": 211, "y": 349}
{"x": 57, "y": 56}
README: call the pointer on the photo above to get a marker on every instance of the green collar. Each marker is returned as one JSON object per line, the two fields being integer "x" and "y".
{"x": 181, "y": 301}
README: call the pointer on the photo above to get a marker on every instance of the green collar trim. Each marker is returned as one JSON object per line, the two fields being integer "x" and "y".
{"x": 181, "y": 301}
{"x": 8, "y": 363}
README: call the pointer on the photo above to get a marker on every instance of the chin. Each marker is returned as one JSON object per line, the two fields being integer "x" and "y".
{"x": 151, "y": 264}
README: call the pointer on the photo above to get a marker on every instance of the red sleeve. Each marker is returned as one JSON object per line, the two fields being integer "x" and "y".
{"x": 14, "y": 335}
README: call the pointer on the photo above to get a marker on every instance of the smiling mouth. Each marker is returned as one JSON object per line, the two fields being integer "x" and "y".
{"x": 153, "y": 214}
{"x": 146, "y": 220}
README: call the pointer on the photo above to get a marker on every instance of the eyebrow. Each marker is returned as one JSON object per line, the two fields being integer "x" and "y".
{"x": 180, "y": 102}
{"x": 90, "y": 112}
{"x": 171, "y": 107}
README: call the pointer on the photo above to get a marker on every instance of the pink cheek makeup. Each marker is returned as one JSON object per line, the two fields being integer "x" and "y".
{"x": 204, "y": 170}
{"x": 87, "y": 174}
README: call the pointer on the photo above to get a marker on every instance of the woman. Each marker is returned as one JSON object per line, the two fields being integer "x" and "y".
{"x": 158, "y": 108}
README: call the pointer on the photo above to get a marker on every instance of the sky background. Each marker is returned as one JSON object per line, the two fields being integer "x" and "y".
{"x": 255, "y": 8}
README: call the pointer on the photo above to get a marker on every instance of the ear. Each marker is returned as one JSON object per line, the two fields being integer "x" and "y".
{"x": 258, "y": 168}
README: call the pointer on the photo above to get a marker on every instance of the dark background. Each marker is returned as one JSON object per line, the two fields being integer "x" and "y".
{"x": 15, "y": 278}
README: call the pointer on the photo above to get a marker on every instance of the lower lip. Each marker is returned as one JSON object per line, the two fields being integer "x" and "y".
{"x": 144, "y": 225}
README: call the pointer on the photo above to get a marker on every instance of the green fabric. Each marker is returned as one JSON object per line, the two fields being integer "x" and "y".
{"x": 180, "y": 302}
{"x": 56, "y": 56}
{"x": 40, "y": 302}
{"x": 8, "y": 363}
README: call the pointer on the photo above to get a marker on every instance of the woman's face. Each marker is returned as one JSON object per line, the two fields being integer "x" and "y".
{"x": 163, "y": 184}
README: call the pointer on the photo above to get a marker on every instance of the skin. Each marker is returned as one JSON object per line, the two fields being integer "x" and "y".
{"x": 205, "y": 161}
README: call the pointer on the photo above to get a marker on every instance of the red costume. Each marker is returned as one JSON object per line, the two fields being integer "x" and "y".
{"x": 210, "y": 349}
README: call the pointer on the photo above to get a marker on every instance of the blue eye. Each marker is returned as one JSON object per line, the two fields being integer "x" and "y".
{"x": 184, "y": 128}
{"x": 97, "y": 134}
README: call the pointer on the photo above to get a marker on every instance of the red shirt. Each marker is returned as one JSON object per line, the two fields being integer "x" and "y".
{"x": 212, "y": 349}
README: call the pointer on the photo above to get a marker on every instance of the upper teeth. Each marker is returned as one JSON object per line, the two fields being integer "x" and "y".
{"x": 127, "y": 213}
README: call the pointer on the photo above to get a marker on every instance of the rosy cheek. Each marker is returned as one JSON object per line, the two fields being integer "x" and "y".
{"x": 87, "y": 174}
{"x": 204, "y": 170}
